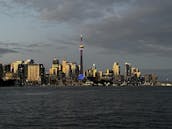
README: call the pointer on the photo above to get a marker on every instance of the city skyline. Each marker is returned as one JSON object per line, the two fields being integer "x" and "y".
{"x": 114, "y": 31}
{"x": 63, "y": 72}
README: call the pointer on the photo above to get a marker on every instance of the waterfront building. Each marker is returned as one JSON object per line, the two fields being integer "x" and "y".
{"x": 127, "y": 70}
{"x": 35, "y": 74}
{"x": 108, "y": 73}
{"x": 9, "y": 76}
{"x": 74, "y": 70}
{"x": 116, "y": 69}
{"x": 150, "y": 79}
{"x": 135, "y": 72}
{"x": 54, "y": 70}
{"x": 68, "y": 70}
{"x": 22, "y": 73}
{"x": 14, "y": 66}
{"x": 100, "y": 74}
{"x": 64, "y": 65}
{"x": 92, "y": 72}
{"x": 1, "y": 71}
{"x": 7, "y": 68}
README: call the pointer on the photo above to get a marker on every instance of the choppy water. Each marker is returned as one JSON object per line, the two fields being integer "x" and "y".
{"x": 86, "y": 108}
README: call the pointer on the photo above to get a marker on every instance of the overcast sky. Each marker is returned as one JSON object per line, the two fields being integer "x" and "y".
{"x": 135, "y": 31}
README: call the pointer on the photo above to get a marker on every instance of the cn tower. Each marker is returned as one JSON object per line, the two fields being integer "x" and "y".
{"x": 81, "y": 47}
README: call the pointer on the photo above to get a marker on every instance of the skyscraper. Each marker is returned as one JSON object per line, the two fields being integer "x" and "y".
{"x": 116, "y": 69}
{"x": 127, "y": 70}
{"x": 35, "y": 73}
{"x": 54, "y": 70}
{"x": 14, "y": 66}
{"x": 135, "y": 72}
{"x": 64, "y": 66}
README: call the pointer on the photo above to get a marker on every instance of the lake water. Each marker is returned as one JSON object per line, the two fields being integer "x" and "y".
{"x": 86, "y": 108}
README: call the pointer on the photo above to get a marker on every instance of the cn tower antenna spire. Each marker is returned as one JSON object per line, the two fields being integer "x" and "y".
{"x": 81, "y": 38}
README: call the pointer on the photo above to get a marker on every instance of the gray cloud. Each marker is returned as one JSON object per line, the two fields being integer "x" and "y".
{"x": 145, "y": 28}
{"x": 70, "y": 11}
{"x": 127, "y": 27}
{"x": 130, "y": 26}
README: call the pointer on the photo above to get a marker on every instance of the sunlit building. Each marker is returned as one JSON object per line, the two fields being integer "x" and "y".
{"x": 116, "y": 69}
{"x": 92, "y": 72}
{"x": 29, "y": 61}
{"x": 70, "y": 69}
{"x": 14, "y": 66}
{"x": 35, "y": 73}
{"x": 9, "y": 76}
{"x": 54, "y": 70}
{"x": 64, "y": 66}
{"x": 135, "y": 72}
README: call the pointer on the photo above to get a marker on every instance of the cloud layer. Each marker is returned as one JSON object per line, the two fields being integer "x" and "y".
{"x": 128, "y": 26}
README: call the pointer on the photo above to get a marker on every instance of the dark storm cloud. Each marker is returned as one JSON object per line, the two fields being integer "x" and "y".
{"x": 127, "y": 26}
{"x": 146, "y": 27}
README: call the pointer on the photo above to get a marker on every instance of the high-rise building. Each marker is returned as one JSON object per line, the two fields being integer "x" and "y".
{"x": 92, "y": 72}
{"x": 54, "y": 70}
{"x": 116, "y": 69}
{"x": 100, "y": 74}
{"x": 74, "y": 70}
{"x": 135, "y": 72}
{"x": 127, "y": 70}
{"x": 64, "y": 65}
{"x": 68, "y": 71}
{"x": 35, "y": 73}
{"x": 68, "y": 68}
{"x": 22, "y": 73}
{"x": 14, "y": 66}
